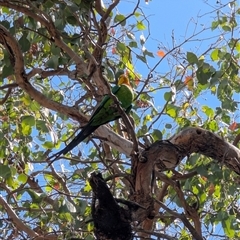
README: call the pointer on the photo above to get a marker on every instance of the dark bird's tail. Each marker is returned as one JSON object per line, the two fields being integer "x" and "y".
{"x": 86, "y": 131}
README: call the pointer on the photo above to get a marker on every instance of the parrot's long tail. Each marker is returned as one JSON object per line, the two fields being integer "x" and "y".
{"x": 86, "y": 131}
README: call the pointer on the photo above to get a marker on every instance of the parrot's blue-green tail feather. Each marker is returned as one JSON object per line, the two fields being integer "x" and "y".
{"x": 86, "y": 131}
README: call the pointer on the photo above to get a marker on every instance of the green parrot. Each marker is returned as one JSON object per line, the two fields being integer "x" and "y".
{"x": 105, "y": 112}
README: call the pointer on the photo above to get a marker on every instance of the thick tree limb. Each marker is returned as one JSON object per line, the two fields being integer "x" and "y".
{"x": 164, "y": 155}
{"x": 198, "y": 140}
{"x": 10, "y": 43}
{"x": 22, "y": 80}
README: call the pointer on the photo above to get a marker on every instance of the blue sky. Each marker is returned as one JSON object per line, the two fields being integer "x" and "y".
{"x": 181, "y": 18}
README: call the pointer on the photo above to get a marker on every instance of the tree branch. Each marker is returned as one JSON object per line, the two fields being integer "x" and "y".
{"x": 16, "y": 221}
{"x": 10, "y": 43}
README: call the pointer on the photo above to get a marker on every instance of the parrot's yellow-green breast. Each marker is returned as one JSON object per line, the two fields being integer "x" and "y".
{"x": 107, "y": 110}
{"x": 125, "y": 93}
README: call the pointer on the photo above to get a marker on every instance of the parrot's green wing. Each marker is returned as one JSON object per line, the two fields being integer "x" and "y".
{"x": 105, "y": 112}
{"x": 104, "y": 102}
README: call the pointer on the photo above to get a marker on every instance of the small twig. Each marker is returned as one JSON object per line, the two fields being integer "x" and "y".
{"x": 3, "y": 100}
{"x": 181, "y": 217}
{"x": 10, "y": 85}
{"x": 236, "y": 140}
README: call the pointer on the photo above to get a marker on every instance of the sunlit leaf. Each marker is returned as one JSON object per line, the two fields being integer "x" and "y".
{"x": 172, "y": 110}
{"x": 227, "y": 226}
{"x": 140, "y": 26}
{"x": 28, "y": 120}
{"x": 208, "y": 111}
{"x": 214, "y": 55}
{"x": 23, "y": 178}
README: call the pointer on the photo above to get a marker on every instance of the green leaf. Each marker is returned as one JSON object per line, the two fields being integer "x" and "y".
{"x": 133, "y": 44}
{"x": 226, "y": 28}
{"x": 7, "y": 71}
{"x": 227, "y": 226}
{"x": 214, "y": 55}
{"x": 48, "y": 4}
{"x": 27, "y": 123}
{"x": 172, "y": 110}
{"x": 168, "y": 96}
{"x": 146, "y": 52}
{"x": 53, "y": 62}
{"x": 142, "y": 58}
{"x": 26, "y": 130}
{"x": 5, "y": 171}
{"x": 137, "y": 14}
{"x": 203, "y": 75}
{"x": 208, "y": 111}
{"x": 6, "y": 24}
{"x": 87, "y": 187}
{"x": 55, "y": 50}
{"x": 192, "y": 58}
{"x": 48, "y": 145}
{"x": 22, "y": 178}
{"x": 140, "y": 26}
{"x": 24, "y": 43}
{"x": 28, "y": 120}
{"x": 71, "y": 20}
{"x": 147, "y": 119}
{"x": 36, "y": 197}
{"x": 213, "y": 126}
{"x": 238, "y": 46}
{"x": 10, "y": 182}
{"x": 136, "y": 118}
{"x": 168, "y": 126}
{"x": 121, "y": 47}
{"x": 41, "y": 126}
{"x": 73, "y": 7}
{"x": 120, "y": 18}
{"x": 156, "y": 134}
{"x": 214, "y": 25}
